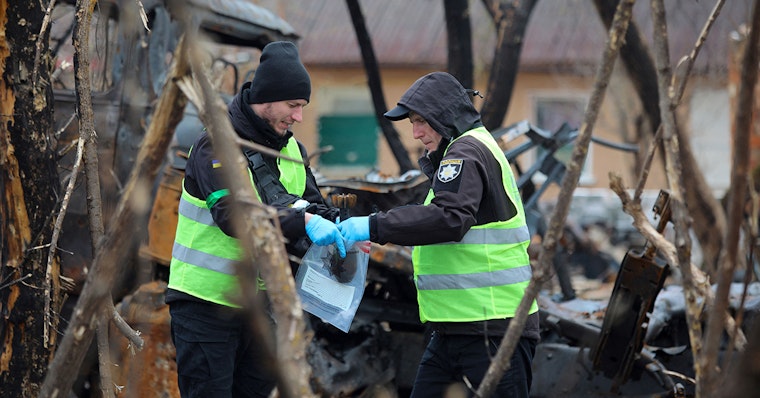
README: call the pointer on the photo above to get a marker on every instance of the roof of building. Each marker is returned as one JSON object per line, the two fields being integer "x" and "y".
{"x": 560, "y": 34}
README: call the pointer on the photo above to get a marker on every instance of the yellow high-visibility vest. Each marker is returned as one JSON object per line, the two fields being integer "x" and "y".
{"x": 203, "y": 257}
{"x": 484, "y": 275}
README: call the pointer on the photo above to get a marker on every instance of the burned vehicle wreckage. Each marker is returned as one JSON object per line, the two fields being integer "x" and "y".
{"x": 588, "y": 348}
{"x": 634, "y": 344}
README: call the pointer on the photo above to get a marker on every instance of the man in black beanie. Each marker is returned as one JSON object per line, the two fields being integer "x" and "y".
{"x": 216, "y": 354}
{"x": 280, "y": 76}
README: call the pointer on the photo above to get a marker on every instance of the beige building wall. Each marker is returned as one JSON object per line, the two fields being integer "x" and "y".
{"x": 331, "y": 84}
{"x": 616, "y": 121}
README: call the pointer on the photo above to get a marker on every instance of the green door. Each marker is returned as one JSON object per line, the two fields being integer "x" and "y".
{"x": 353, "y": 138}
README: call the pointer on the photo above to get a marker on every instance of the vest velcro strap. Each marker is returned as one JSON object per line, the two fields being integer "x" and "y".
{"x": 203, "y": 260}
{"x": 493, "y": 236}
{"x": 215, "y": 196}
{"x": 472, "y": 281}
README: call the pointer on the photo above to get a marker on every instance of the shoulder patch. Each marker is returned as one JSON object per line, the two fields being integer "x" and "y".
{"x": 449, "y": 169}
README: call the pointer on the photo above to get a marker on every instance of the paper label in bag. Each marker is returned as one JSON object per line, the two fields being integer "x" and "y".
{"x": 330, "y": 291}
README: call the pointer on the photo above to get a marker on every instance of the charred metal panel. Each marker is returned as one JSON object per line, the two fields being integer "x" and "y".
{"x": 639, "y": 281}
{"x": 132, "y": 62}
{"x": 566, "y": 371}
{"x": 622, "y": 337}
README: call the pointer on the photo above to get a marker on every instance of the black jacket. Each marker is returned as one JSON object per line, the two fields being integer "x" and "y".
{"x": 474, "y": 196}
{"x": 202, "y": 179}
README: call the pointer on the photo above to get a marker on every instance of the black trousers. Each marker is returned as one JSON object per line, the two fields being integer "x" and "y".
{"x": 449, "y": 359}
{"x": 216, "y": 354}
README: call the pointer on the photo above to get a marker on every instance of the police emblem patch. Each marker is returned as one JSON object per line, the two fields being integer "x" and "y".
{"x": 449, "y": 169}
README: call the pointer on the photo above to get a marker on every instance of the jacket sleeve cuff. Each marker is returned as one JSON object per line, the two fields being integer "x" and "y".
{"x": 373, "y": 227}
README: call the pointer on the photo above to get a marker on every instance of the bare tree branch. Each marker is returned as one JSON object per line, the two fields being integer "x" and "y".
{"x": 709, "y": 222}
{"x": 92, "y": 174}
{"x": 40, "y": 40}
{"x": 258, "y": 147}
{"x": 695, "y": 283}
{"x": 86, "y": 116}
{"x": 501, "y": 362}
{"x": 511, "y": 20}
{"x": 750, "y": 227}
{"x": 65, "y": 365}
{"x": 736, "y": 205}
{"x": 681, "y": 218}
{"x": 677, "y": 89}
{"x": 634, "y": 55}
{"x": 56, "y": 233}
{"x": 685, "y": 66}
{"x": 131, "y": 334}
{"x": 647, "y": 165}
{"x": 744, "y": 382}
{"x": 632, "y": 206}
{"x": 262, "y": 240}
{"x": 459, "y": 40}
{"x": 104, "y": 356}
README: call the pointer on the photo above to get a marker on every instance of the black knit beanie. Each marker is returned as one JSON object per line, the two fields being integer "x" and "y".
{"x": 280, "y": 76}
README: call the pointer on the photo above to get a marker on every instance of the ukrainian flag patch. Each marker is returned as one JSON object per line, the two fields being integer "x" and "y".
{"x": 216, "y": 163}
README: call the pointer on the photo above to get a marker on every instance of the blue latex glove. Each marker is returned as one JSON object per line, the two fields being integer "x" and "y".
{"x": 323, "y": 232}
{"x": 355, "y": 229}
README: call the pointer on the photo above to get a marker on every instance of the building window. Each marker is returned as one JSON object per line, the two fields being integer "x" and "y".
{"x": 550, "y": 114}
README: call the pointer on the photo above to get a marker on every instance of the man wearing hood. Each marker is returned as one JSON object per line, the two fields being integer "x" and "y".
{"x": 216, "y": 355}
{"x": 470, "y": 238}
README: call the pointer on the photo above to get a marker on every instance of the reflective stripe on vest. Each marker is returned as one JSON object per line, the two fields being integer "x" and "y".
{"x": 471, "y": 281}
{"x": 204, "y": 257}
{"x": 493, "y": 236}
{"x": 482, "y": 276}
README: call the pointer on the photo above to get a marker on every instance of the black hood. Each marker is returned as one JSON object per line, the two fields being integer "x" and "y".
{"x": 442, "y": 101}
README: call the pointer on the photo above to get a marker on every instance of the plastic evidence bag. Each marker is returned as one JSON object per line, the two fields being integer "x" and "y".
{"x": 332, "y": 287}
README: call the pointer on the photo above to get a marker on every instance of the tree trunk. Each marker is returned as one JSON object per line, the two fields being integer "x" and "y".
{"x": 376, "y": 87}
{"x": 96, "y": 293}
{"x": 736, "y": 207}
{"x": 30, "y": 186}
{"x": 744, "y": 381}
{"x": 459, "y": 39}
{"x": 511, "y": 20}
{"x": 542, "y": 272}
{"x": 638, "y": 61}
